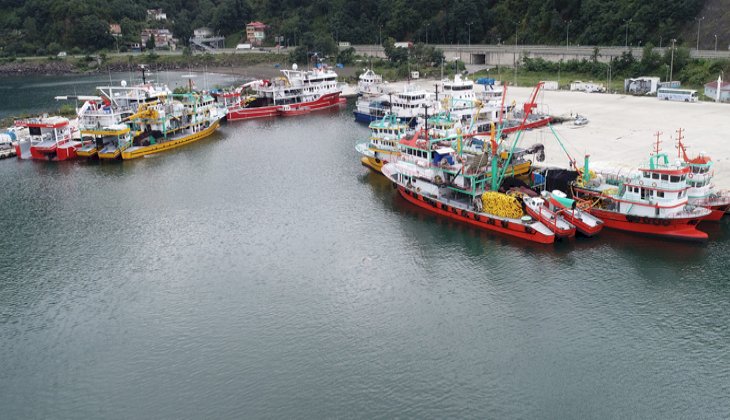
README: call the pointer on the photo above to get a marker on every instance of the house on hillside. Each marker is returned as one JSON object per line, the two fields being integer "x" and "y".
{"x": 156, "y": 14}
{"x": 115, "y": 29}
{"x": 711, "y": 91}
{"x": 163, "y": 38}
{"x": 256, "y": 33}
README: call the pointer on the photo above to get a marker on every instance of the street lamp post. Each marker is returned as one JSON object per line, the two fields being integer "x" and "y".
{"x": 380, "y": 35}
{"x": 660, "y": 41}
{"x": 715, "y": 42}
{"x": 468, "y": 26}
{"x": 671, "y": 65}
{"x": 699, "y": 21}
{"x": 567, "y": 30}
{"x": 626, "y": 22}
{"x": 427, "y": 33}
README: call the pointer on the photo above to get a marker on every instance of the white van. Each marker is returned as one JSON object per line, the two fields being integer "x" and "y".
{"x": 243, "y": 46}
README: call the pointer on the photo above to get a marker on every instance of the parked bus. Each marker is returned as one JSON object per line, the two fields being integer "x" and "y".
{"x": 686, "y": 95}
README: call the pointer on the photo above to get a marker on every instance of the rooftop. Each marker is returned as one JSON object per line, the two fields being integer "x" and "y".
{"x": 713, "y": 85}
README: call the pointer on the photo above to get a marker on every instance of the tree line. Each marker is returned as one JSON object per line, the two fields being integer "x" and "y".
{"x": 44, "y": 26}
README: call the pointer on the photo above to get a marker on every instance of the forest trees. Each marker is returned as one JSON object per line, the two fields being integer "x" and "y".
{"x": 26, "y": 26}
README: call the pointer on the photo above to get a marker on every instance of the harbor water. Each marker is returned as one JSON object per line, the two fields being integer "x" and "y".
{"x": 264, "y": 273}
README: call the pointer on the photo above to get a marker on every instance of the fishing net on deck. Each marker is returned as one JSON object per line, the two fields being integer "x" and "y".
{"x": 501, "y": 205}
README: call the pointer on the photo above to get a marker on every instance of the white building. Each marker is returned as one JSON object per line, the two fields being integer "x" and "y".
{"x": 156, "y": 14}
{"x": 642, "y": 85}
{"x": 711, "y": 91}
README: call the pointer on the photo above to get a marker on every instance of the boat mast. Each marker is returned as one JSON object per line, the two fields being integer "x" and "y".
{"x": 681, "y": 150}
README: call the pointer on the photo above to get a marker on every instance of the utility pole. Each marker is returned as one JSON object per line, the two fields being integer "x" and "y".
{"x": 715, "y": 42}
{"x": 699, "y": 21}
{"x": 627, "y": 21}
{"x": 567, "y": 30}
{"x": 514, "y": 54}
{"x": 671, "y": 65}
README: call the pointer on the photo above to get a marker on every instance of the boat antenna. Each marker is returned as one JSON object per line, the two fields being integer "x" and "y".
{"x": 425, "y": 110}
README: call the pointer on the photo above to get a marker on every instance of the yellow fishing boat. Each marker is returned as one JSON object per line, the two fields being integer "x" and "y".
{"x": 382, "y": 147}
{"x": 139, "y": 151}
{"x": 172, "y": 122}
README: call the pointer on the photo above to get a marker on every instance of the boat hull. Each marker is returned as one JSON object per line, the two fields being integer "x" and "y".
{"x": 56, "y": 152}
{"x": 718, "y": 206}
{"x": 87, "y": 153}
{"x": 549, "y": 219}
{"x": 513, "y": 129}
{"x": 575, "y": 218}
{"x": 676, "y": 228}
{"x": 373, "y": 163}
{"x": 251, "y": 113}
{"x": 115, "y": 154}
{"x": 494, "y": 224}
{"x": 137, "y": 152}
{"x": 365, "y": 118}
{"x": 326, "y": 101}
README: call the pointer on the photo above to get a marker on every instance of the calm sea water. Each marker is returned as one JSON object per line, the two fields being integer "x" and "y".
{"x": 264, "y": 273}
{"x": 32, "y": 95}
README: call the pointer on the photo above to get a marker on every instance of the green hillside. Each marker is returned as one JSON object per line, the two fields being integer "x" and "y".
{"x": 39, "y": 27}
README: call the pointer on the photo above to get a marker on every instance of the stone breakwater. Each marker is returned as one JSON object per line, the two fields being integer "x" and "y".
{"x": 60, "y": 67}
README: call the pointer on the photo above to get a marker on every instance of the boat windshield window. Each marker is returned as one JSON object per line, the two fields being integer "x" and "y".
{"x": 674, "y": 178}
{"x": 655, "y": 176}
{"x": 665, "y": 177}
{"x": 646, "y": 174}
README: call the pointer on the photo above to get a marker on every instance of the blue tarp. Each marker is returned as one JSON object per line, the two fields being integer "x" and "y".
{"x": 438, "y": 157}
{"x": 485, "y": 81}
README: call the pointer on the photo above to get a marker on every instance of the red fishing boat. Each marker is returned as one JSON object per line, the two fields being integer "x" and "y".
{"x": 553, "y": 219}
{"x": 584, "y": 222}
{"x": 314, "y": 89}
{"x": 433, "y": 173}
{"x": 652, "y": 201}
{"x": 49, "y": 138}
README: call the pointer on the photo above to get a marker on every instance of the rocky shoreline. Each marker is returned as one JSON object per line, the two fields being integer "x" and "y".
{"x": 61, "y": 67}
{"x": 18, "y": 68}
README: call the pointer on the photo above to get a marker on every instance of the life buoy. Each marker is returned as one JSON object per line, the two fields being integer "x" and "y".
{"x": 641, "y": 182}
{"x": 690, "y": 174}
{"x": 653, "y": 184}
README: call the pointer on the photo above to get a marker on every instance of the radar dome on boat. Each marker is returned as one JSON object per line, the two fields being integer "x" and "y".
{"x": 294, "y": 66}
{"x": 124, "y": 83}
